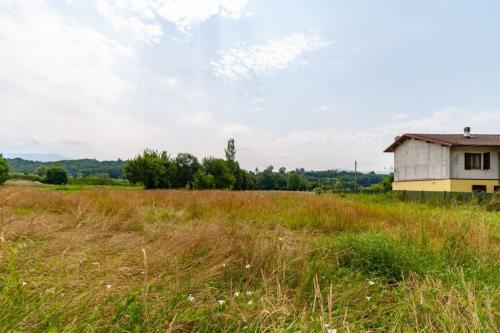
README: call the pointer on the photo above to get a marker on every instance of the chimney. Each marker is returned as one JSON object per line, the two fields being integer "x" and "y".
{"x": 467, "y": 132}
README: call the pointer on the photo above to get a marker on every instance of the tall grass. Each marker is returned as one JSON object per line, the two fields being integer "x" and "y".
{"x": 216, "y": 261}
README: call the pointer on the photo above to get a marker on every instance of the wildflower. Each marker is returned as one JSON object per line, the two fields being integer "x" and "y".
{"x": 326, "y": 325}
{"x": 281, "y": 239}
{"x": 191, "y": 298}
{"x": 368, "y": 298}
{"x": 224, "y": 265}
{"x": 108, "y": 286}
{"x": 221, "y": 302}
{"x": 371, "y": 283}
{"x": 249, "y": 293}
{"x": 331, "y": 330}
{"x": 24, "y": 283}
{"x": 237, "y": 294}
{"x": 50, "y": 290}
{"x": 248, "y": 266}
{"x": 250, "y": 302}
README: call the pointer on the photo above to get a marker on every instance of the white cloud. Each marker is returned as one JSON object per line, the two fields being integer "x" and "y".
{"x": 58, "y": 86}
{"x": 166, "y": 83}
{"x": 245, "y": 60}
{"x": 323, "y": 109}
{"x": 142, "y": 18}
{"x": 338, "y": 148}
{"x": 197, "y": 119}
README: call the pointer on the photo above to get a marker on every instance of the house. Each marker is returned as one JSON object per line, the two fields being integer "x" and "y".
{"x": 446, "y": 162}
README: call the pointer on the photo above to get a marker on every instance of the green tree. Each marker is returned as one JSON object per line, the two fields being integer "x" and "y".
{"x": 57, "y": 175}
{"x": 186, "y": 166}
{"x": 230, "y": 151}
{"x": 385, "y": 184}
{"x": 219, "y": 169}
{"x": 202, "y": 180}
{"x": 294, "y": 181}
{"x": 4, "y": 170}
{"x": 153, "y": 169}
{"x": 41, "y": 170}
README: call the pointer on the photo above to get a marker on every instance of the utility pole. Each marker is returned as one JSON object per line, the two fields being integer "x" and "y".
{"x": 355, "y": 176}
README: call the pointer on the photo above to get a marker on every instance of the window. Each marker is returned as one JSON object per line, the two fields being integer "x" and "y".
{"x": 478, "y": 188}
{"x": 486, "y": 161}
{"x": 496, "y": 188}
{"x": 472, "y": 161}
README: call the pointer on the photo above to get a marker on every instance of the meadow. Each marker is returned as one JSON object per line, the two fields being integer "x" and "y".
{"x": 104, "y": 260}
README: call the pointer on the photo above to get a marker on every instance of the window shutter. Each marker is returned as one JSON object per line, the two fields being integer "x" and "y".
{"x": 486, "y": 162}
{"x": 468, "y": 161}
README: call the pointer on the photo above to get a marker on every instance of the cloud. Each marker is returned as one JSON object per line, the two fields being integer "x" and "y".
{"x": 323, "y": 109}
{"x": 142, "y": 18}
{"x": 244, "y": 60}
{"x": 339, "y": 148}
{"x": 197, "y": 119}
{"x": 166, "y": 83}
{"x": 59, "y": 86}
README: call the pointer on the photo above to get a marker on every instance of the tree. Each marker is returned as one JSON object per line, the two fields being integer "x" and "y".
{"x": 294, "y": 181}
{"x": 57, "y": 175}
{"x": 385, "y": 184}
{"x": 4, "y": 170}
{"x": 202, "y": 180}
{"x": 230, "y": 151}
{"x": 186, "y": 166}
{"x": 152, "y": 168}
{"x": 41, "y": 170}
{"x": 219, "y": 169}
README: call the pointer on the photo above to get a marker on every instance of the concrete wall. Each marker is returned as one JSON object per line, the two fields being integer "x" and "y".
{"x": 458, "y": 163}
{"x": 420, "y": 160}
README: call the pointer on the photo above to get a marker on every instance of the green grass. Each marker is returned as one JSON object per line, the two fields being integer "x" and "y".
{"x": 105, "y": 260}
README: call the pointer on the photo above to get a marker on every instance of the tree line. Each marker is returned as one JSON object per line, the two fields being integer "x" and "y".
{"x": 157, "y": 169}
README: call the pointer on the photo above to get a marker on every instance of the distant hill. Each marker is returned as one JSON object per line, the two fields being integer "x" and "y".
{"x": 37, "y": 157}
{"x": 76, "y": 168}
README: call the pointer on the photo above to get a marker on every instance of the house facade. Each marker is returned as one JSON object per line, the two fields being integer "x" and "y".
{"x": 447, "y": 162}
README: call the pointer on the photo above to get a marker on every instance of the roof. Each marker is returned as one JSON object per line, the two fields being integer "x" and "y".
{"x": 449, "y": 140}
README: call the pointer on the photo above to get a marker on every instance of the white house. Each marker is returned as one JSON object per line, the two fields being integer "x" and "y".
{"x": 447, "y": 162}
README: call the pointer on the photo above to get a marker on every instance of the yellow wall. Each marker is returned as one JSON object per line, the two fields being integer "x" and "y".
{"x": 453, "y": 185}
{"x": 465, "y": 185}
{"x": 423, "y": 185}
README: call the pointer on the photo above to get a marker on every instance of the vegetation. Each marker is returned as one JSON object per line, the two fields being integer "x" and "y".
{"x": 76, "y": 168}
{"x": 4, "y": 170}
{"x": 220, "y": 261}
{"x": 56, "y": 175}
{"x": 156, "y": 169}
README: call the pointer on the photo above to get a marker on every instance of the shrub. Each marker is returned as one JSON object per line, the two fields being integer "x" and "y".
{"x": 4, "y": 170}
{"x": 380, "y": 255}
{"x": 57, "y": 175}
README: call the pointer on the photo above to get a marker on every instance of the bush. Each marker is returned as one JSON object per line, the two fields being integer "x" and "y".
{"x": 23, "y": 176}
{"x": 4, "y": 170}
{"x": 57, "y": 175}
{"x": 378, "y": 254}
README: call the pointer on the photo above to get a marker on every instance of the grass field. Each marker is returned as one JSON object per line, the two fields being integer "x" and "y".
{"x": 180, "y": 261}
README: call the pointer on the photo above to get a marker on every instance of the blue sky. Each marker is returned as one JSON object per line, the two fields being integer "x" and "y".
{"x": 314, "y": 84}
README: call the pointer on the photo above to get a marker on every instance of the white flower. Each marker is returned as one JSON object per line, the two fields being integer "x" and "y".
{"x": 248, "y": 266}
{"x": 250, "y": 302}
{"x": 249, "y": 293}
{"x": 237, "y": 294}
{"x": 368, "y": 298}
{"x": 24, "y": 283}
{"x": 326, "y": 325}
{"x": 371, "y": 283}
{"x": 108, "y": 286}
{"x": 281, "y": 238}
{"x": 223, "y": 265}
{"x": 331, "y": 330}
{"x": 221, "y": 302}
{"x": 191, "y": 298}
{"x": 50, "y": 290}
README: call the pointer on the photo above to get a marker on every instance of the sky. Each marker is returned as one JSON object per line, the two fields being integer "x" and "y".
{"x": 312, "y": 84}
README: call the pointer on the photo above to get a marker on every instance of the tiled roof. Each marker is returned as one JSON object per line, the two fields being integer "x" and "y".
{"x": 450, "y": 140}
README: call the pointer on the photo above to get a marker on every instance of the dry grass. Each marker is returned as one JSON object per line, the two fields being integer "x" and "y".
{"x": 128, "y": 261}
